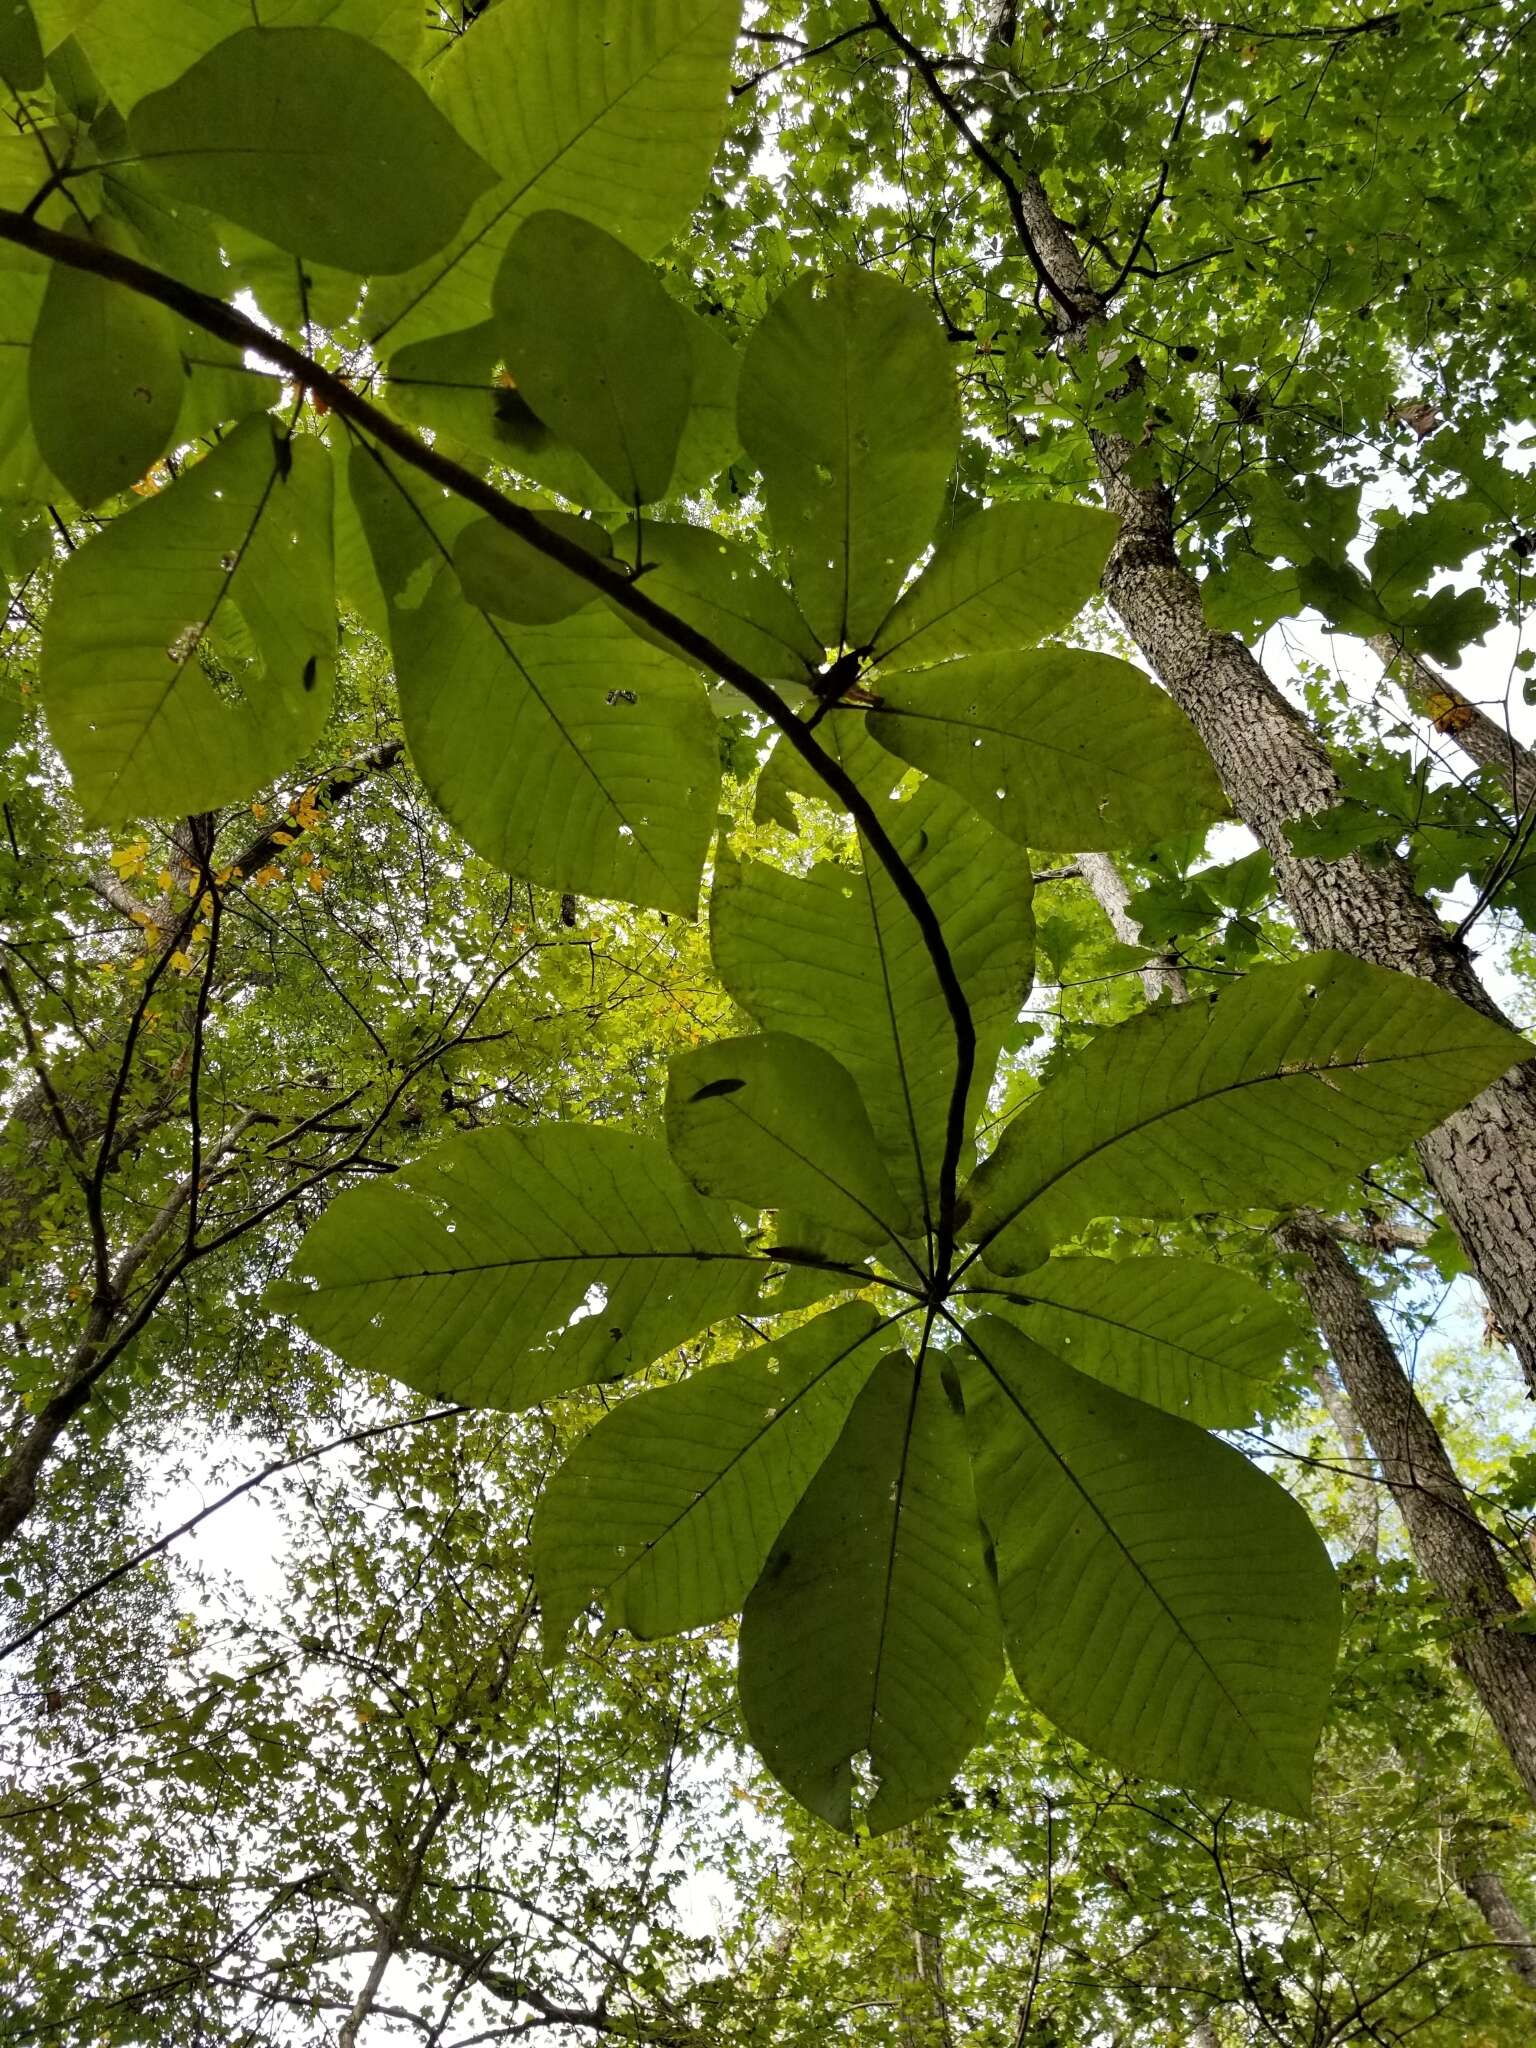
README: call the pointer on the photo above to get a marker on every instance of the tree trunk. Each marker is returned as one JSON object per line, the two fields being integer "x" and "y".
{"x": 925, "y": 2021}
{"x": 1496, "y": 1905}
{"x": 1453, "y": 1549}
{"x": 1481, "y": 738}
{"x": 1485, "y": 1888}
{"x": 1364, "y": 1485}
{"x": 1481, "y": 1162}
{"x": 1160, "y": 978}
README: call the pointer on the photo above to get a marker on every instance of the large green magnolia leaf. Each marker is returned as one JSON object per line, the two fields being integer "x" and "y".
{"x": 669, "y": 1508}
{"x": 872, "y": 1635}
{"x": 1163, "y": 1601}
{"x": 1267, "y": 1095}
{"x": 573, "y": 754}
{"x": 598, "y": 348}
{"x": 848, "y": 408}
{"x": 502, "y": 574}
{"x": 608, "y": 109}
{"x": 835, "y": 956}
{"x": 23, "y": 284}
{"x": 1200, "y": 1340}
{"x": 140, "y": 48}
{"x": 775, "y": 1121}
{"x": 719, "y": 586}
{"x": 1056, "y": 748}
{"x": 508, "y": 1266}
{"x": 188, "y": 651}
{"x": 1003, "y": 579}
{"x": 317, "y": 140}
{"x": 455, "y": 385}
{"x": 106, "y": 377}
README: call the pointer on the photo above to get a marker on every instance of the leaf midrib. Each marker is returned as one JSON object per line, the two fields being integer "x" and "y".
{"x": 1125, "y": 1550}
{"x": 1128, "y": 1131}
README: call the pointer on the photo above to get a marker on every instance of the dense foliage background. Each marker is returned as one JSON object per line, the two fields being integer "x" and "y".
{"x": 285, "y": 1758}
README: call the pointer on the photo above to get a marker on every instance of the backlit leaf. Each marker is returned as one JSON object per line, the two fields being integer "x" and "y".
{"x": 1199, "y": 1340}
{"x": 872, "y": 1635}
{"x": 509, "y": 1265}
{"x": 106, "y": 378}
{"x": 668, "y": 1509}
{"x": 188, "y": 651}
{"x": 775, "y": 1121}
{"x": 1003, "y": 579}
{"x": 598, "y": 349}
{"x": 1163, "y": 1601}
{"x": 317, "y": 140}
{"x": 572, "y": 754}
{"x": 1269, "y": 1094}
{"x": 848, "y": 408}
{"x": 1056, "y": 748}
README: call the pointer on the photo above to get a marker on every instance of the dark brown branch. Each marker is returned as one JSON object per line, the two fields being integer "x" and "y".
{"x": 1162, "y": 176}
{"x": 984, "y": 154}
{"x": 268, "y": 846}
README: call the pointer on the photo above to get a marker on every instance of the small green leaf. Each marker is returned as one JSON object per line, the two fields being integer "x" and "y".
{"x": 598, "y": 348}
{"x": 668, "y": 1509}
{"x": 1270, "y": 1094}
{"x": 316, "y": 140}
{"x": 1198, "y": 1340}
{"x": 1058, "y": 748}
{"x": 508, "y": 1266}
{"x": 106, "y": 377}
{"x": 873, "y": 1633}
{"x": 188, "y": 651}
{"x": 1162, "y": 1600}
{"x": 21, "y": 51}
{"x": 504, "y": 575}
{"x": 848, "y": 408}
{"x": 775, "y": 1121}
{"x": 1004, "y": 579}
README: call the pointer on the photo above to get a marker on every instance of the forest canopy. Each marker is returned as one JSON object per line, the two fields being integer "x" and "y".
{"x": 768, "y": 1162}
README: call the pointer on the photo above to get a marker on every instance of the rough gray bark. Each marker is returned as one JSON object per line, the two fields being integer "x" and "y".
{"x": 1485, "y": 1888}
{"x": 1481, "y": 1162}
{"x": 1481, "y": 738}
{"x": 1454, "y": 1551}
